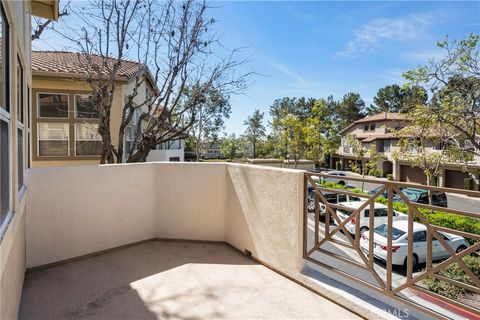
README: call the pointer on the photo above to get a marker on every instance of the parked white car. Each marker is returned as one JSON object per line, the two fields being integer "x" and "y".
{"x": 331, "y": 197}
{"x": 380, "y": 216}
{"x": 340, "y": 179}
{"x": 400, "y": 243}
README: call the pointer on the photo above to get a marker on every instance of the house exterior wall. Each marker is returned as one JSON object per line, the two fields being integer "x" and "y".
{"x": 70, "y": 86}
{"x": 13, "y": 226}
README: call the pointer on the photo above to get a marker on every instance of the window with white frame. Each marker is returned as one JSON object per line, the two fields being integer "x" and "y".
{"x": 5, "y": 119}
{"x": 20, "y": 124}
{"x": 52, "y": 105}
{"x": 84, "y": 107}
{"x": 53, "y": 139}
{"x": 87, "y": 140}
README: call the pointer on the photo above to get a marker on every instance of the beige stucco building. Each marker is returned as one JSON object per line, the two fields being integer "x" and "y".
{"x": 64, "y": 120}
{"x": 378, "y": 132}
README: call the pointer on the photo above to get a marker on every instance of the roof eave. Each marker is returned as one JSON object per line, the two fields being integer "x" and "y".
{"x": 47, "y": 9}
{"x": 77, "y": 76}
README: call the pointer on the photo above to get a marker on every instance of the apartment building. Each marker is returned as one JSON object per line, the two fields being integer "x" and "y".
{"x": 65, "y": 121}
{"x": 378, "y": 132}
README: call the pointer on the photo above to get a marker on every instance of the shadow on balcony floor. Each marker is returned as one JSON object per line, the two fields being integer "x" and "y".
{"x": 163, "y": 279}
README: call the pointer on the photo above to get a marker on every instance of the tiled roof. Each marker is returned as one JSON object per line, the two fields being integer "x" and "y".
{"x": 383, "y": 116}
{"x": 74, "y": 63}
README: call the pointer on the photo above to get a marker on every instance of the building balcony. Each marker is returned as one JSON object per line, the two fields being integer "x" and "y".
{"x": 172, "y": 240}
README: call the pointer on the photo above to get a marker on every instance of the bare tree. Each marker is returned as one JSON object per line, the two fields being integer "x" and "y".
{"x": 39, "y": 25}
{"x": 174, "y": 43}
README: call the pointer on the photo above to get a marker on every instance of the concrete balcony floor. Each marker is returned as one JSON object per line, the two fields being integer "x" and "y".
{"x": 165, "y": 279}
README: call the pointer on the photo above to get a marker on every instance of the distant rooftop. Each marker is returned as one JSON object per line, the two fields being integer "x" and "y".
{"x": 383, "y": 116}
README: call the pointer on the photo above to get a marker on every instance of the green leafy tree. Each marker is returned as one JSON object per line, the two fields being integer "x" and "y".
{"x": 293, "y": 136}
{"x": 255, "y": 129}
{"x": 230, "y": 147}
{"x": 349, "y": 109}
{"x": 210, "y": 116}
{"x": 394, "y": 98}
{"x": 319, "y": 134}
{"x": 454, "y": 81}
{"x": 418, "y": 140}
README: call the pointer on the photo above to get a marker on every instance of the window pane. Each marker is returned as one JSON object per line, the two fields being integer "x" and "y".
{"x": 4, "y": 61}
{"x": 53, "y": 148}
{"x": 53, "y": 139}
{"x": 20, "y": 108}
{"x": 53, "y": 105}
{"x": 4, "y": 171}
{"x": 2, "y": 46}
{"x": 53, "y": 131}
{"x": 87, "y": 139}
{"x": 85, "y": 107}
{"x": 20, "y": 159}
{"x": 88, "y": 148}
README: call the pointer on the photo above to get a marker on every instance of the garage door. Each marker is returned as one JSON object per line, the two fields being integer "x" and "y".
{"x": 454, "y": 179}
{"x": 415, "y": 175}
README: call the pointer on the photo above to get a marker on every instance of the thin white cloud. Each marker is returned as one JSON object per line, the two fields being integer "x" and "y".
{"x": 424, "y": 56}
{"x": 370, "y": 37}
{"x": 285, "y": 70}
{"x": 395, "y": 76}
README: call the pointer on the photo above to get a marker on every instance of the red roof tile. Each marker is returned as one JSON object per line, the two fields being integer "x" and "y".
{"x": 75, "y": 64}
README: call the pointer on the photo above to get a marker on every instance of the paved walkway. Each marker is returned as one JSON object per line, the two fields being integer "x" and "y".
{"x": 169, "y": 280}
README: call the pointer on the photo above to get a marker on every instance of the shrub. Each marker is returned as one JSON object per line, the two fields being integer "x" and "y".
{"x": 454, "y": 272}
{"x": 337, "y": 165}
{"x": 468, "y": 183}
{"x": 389, "y": 177}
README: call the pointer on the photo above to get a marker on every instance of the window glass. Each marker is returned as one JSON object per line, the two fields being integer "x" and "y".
{"x": 52, "y": 105}
{"x": 53, "y": 139}
{"x": 4, "y": 61}
{"x": 20, "y": 106}
{"x": 87, "y": 139}
{"x": 381, "y": 212}
{"x": 342, "y": 198}
{"x": 420, "y": 236}
{"x": 20, "y": 158}
{"x": 383, "y": 231}
{"x": 84, "y": 107}
{"x": 4, "y": 171}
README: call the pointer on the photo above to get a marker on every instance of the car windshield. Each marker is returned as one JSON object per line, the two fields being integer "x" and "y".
{"x": 411, "y": 195}
{"x": 383, "y": 231}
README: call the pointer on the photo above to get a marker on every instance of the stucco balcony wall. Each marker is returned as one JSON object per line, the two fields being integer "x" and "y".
{"x": 77, "y": 211}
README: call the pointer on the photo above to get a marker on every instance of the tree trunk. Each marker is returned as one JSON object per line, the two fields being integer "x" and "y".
{"x": 199, "y": 137}
{"x": 363, "y": 174}
{"x": 254, "y": 146}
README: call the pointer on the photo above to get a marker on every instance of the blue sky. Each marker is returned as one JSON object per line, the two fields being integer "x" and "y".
{"x": 317, "y": 49}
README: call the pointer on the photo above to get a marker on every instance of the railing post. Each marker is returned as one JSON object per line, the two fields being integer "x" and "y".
{"x": 389, "y": 237}
{"x": 305, "y": 214}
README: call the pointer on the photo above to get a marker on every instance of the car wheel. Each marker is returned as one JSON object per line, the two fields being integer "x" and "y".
{"x": 460, "y": 249}
{"x": 363, "y": 230}
{"x": 311, "y": 205}
{"x": 414, "y": 262}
